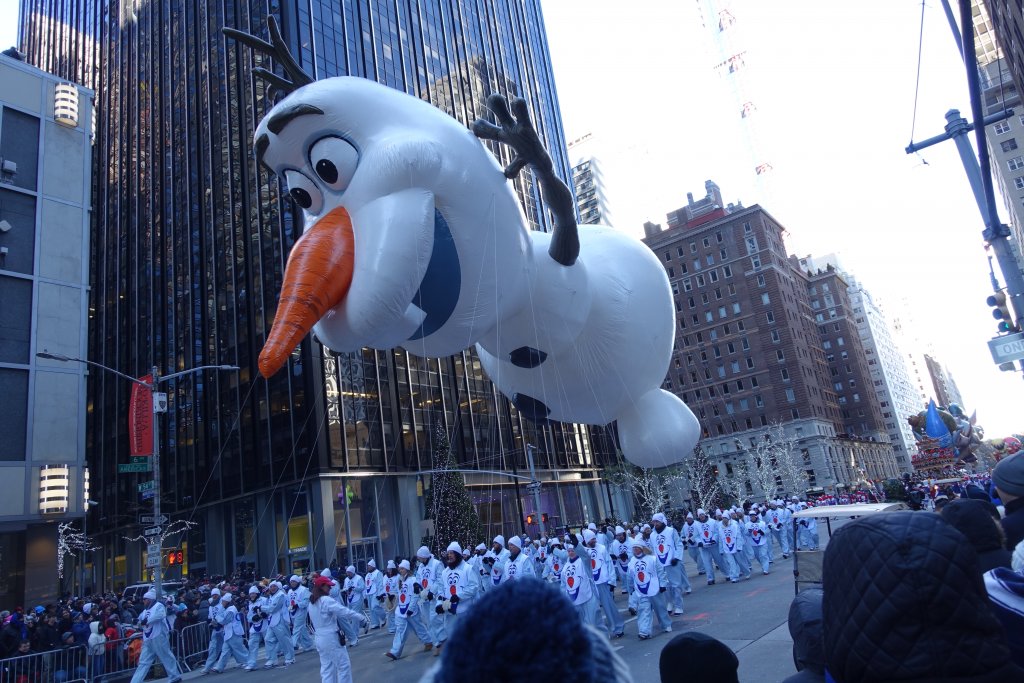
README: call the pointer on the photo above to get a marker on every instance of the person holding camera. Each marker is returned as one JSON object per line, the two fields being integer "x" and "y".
{"x": 326, "y": 615}
{"x": 298, "y": 606}
{"x": 407, "y": 612}
{"x": 257, "y": 625}
{"x": 279, "y": 637}
{"x": 155, "y": 644}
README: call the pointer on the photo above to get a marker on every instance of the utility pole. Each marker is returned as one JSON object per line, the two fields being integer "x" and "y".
{"x": 977, "y": 167}
{"x": 159, "y": 405}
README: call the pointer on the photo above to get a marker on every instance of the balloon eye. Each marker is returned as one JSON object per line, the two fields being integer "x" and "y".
{"x": 304, "y": 192}
{"x": 301, "y": 197}
{"x": 334, "y": 161}
{"x": 327, "y": 171}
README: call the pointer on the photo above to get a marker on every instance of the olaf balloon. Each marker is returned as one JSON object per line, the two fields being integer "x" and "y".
{"x": 414, "y": 238}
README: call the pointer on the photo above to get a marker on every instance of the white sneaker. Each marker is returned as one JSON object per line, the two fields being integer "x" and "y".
{"x": 678, "y": 613}
{"x": 668, "y": 630}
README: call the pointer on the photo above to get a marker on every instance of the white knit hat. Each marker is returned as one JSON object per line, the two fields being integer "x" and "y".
{"x": 1017, "y": 561}
{"x": 588, "y": 535}
{"x": 215, "y": 591}
{"x": 150, "y": 595}
{"x": 391, "y": 564}
{"x": 454, "y": 547}
{"x": 253, "y": 590}
{"x": 227, "y": 597}
{"x": 404, "y": 564}
{"x": 619, "y": 530}
{"x": 499, "y": 539}
{"x": 516, "y": 541}
{"x": 659, "y": 517}
{"x": 295, "y": 578}
{"x": 423, "y": 552}
{"x": 372, "y": 563}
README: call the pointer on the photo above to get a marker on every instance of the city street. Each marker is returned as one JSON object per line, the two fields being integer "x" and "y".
{"x": 750, "y": 617}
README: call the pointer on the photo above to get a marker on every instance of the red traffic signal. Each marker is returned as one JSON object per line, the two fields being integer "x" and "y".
{"x": 174, "y": 558}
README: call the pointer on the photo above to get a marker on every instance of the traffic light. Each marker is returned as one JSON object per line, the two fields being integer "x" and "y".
{"x": 175, "y": 557}
{"x": 533, "y": 519}
{"x": 1001, "y": 311}
{"x": 530, "y": 519}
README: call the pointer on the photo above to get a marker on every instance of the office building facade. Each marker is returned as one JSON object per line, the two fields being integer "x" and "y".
{"x": 325, "y": 460}
{"x": 749, "y": 353}
{"x": 45, "y": 181}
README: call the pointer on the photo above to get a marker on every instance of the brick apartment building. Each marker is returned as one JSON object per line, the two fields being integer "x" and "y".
{"x": 750, "y": 352}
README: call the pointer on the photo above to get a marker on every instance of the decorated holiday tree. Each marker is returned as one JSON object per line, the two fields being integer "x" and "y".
{"x": 448, "y": 502}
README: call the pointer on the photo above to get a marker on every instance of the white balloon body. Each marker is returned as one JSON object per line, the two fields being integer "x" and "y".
{"x": 443, "y": 260}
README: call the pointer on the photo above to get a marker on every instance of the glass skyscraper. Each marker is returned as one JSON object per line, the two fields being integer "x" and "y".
{"x": 190, "y": 239}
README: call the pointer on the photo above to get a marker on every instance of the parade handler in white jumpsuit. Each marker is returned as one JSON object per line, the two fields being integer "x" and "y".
{"x": 154, "y": 640}
{"x": 325, "y": 613}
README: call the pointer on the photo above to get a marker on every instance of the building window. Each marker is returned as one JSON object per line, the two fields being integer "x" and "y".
{"x": 736, "y": 307}
{"x": 671, "y": 272}
{"x": 765, "y": 299}
{"x": 709, "y": 317}
{"x": 679, "y": 252}
{"x": 776, "y": 338}
{"x": 721, "y": 312}
{"x": 704, "y": 298}
{"x": 687, "y": 285}
{"x": 731, "y": 347}
{"x": 1018, "y": 182}
{"x": 723, "y": 254}
{"x": 727, "y": 270}
{"x": 758, "y": 401}
{"x": 735, "y": 365}
{"x": 744, "y": 344}
{"x": 668, "y": 256}
{"x": 750, "y": 363}
{"x": 760, "y": 280}
{"x": 826, "y": 344}
{"x": 780, "y": 355}
{"x": 755, "y": 262}
{"x": 718, "y": 237}
{"x": 700, "y": 280}
{"x": 770, "y": 316}
{"x": 754, "y": 383}
{"x": 840, "y": 342}
{"x": 1008, "y": 145}
{"x": 710, "y": 260}
{"x": 746, "y": 226}
{"x": 790, "y": 396}
{"x": 784, "y": 373}
{"x": 1015, "y": 163}
{"x": 1001, "y": 127}
{"x": 713, "y": 275}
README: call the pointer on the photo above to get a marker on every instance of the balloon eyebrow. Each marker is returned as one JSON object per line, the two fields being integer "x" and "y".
{"x": 277, "y": 122}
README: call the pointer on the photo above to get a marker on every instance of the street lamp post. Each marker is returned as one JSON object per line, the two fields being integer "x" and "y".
{"x": 159, "y": 406}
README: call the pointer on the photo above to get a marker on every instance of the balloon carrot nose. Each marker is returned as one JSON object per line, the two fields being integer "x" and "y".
{"x": 317, "y": 278}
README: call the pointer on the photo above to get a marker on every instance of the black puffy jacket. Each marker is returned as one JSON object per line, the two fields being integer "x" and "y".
{"x": 904, "y": 601}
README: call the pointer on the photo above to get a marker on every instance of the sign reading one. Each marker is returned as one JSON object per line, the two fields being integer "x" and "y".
{"x": 1007, "y": 348}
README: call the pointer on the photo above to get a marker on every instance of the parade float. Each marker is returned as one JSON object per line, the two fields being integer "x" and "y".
{"x": 946, "y": 439}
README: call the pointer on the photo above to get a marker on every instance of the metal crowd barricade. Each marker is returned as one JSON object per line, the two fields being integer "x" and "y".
{"x": 193, "y": 643}
{"x": 54, "y": 666}
{"x": 120, "y": 658}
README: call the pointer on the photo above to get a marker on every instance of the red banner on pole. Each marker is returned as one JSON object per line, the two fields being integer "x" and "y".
{"x": 140, "y": 419}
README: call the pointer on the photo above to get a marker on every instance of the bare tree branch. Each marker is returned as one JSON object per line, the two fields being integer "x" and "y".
{"x": 69, "y": 542}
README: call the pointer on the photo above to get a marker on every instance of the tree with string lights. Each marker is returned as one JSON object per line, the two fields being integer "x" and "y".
{"x": 703, "y": 482}
{"x": 69, "y": 542}
{"x": 449, "y": 504}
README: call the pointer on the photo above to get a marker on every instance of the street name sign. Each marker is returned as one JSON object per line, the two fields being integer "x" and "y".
{"x": 147, "y": 486}
{"x": 152, "y": 531}
{"x": 136, "y": 459}
{"x": 1007, "y": 348}
{"x": 134, "y": 467}
{"x": 152, "y": 519}
{"x": 153, "y": 549}
{"x": 152, "y": 560}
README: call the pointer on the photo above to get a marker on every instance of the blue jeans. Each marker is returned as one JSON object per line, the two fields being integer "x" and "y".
{"x": 153, "y": 649}
{"x": 216, "y": 645}
{"x": 255, "y": 638}
{"x": 650, "y": 607}
{"x": 232, "y": 648}
{"x": 611, "y": 612}
{"x": 402, "y": 626}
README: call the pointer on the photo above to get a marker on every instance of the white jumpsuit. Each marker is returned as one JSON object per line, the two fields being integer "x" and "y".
{"x": 324, "y": 615}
